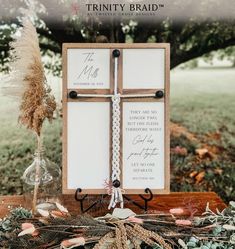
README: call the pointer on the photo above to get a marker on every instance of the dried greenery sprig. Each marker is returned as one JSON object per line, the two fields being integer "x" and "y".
{"x": 58, "y": 229}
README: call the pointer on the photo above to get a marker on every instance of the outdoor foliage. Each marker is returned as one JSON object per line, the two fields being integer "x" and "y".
{"x": 190, "y": 37}
{"x": 202, "y": 136}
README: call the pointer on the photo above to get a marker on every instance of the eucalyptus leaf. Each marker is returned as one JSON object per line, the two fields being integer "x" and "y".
{"x": 232, "y": 204}
{"x": 204, "y": 247}
{"x": 191, "y": 244}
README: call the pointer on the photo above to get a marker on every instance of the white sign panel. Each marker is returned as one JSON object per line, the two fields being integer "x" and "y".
{"x": 143, "y": 145}
{"x": 88, "y": 144}
{"x": 143, "y": 68}
{"x": 88, "y": 68}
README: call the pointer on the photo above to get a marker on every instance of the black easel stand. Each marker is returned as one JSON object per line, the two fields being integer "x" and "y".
{"x": 82, "y": 198}
{"x": 145, "y": 199}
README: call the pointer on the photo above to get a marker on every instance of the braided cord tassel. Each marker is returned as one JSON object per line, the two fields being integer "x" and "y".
{"x": 116, "y": 190}
{"x": 116, "y": 196}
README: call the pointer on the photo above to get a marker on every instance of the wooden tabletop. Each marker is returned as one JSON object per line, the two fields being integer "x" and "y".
{"x": 192, "y": 201}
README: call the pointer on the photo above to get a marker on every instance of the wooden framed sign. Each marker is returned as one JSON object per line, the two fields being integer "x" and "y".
{"x": 116, "y": 117}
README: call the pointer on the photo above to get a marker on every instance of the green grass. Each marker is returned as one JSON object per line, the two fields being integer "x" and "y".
{"x": 17, "y": 146}
{"x": 203, "y": 100}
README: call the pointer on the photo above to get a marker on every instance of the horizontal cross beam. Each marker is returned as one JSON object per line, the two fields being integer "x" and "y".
{"x": 74, "y": 95}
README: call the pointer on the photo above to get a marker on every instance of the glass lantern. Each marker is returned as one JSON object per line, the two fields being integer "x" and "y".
{"x": 42, "y": 183}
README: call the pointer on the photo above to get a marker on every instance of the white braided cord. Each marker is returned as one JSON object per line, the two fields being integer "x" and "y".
{"x": 116, "y": 138}
{"x": 116, "y": 196}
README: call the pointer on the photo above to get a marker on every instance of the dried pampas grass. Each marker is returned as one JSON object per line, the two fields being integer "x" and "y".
{"x": 28, "y": 80}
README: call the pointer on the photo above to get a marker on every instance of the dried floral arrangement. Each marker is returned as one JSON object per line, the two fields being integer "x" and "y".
{"x": 122, "y": 230}
{"x": 28, "y": 82}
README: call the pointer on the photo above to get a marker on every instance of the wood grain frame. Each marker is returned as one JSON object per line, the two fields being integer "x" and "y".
{"x": 65, "y": 100}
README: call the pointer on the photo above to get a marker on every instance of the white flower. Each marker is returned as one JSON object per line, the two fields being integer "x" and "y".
{"x": 133, "y": 23}
{"x": 125, "y": 29}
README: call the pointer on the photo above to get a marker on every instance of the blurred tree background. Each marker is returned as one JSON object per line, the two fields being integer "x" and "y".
{"x": 189, "y": 37}
{"x": 200, "y": 159}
